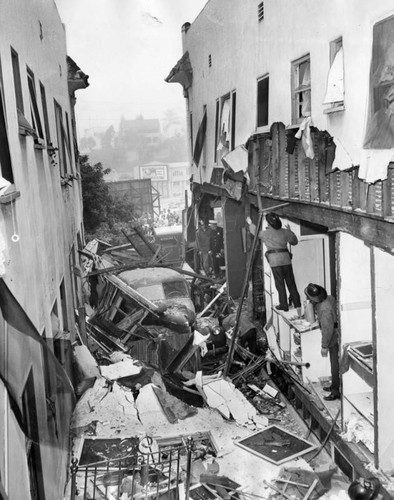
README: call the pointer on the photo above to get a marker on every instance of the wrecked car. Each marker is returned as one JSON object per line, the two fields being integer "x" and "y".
{"x": 167, "y": 289}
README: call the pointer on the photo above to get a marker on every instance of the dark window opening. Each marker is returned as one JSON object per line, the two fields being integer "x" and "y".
{"x": 17, "y": 80}
{"x": 216, "y": 129}
{"x": 63, "y": 302}
{"x": 233, "y": 115}
{"x": 5, "y": 155}
{"x": 262, "y": 101}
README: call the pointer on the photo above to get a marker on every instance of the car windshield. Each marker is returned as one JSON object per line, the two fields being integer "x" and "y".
{"x": 173, "y": 289}
{"x": 152, "y": 292}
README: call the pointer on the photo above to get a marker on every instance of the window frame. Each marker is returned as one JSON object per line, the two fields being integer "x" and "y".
{"x": 231, "y": 97}
{"x": 296, "y": 91}
{"x": 16, "y": 72}
{"x": 6, "y": 170}
{"x": 45, "y": 113}
{"x": 335, "y": 46}
{"x": 60, "y": 139}
{"x": 35, "y": 113}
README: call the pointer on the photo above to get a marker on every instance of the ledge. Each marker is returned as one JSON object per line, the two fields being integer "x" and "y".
{"x": 8, "y": 198}
{"x": 336, "y": 109}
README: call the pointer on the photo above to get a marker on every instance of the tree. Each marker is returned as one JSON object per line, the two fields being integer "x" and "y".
{"x": 95, "y": 193}
{"x": 104, "y": 216}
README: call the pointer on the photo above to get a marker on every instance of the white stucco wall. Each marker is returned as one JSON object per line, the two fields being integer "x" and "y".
{"x": 46, "y": 216}
{"x": 242, "y": 50}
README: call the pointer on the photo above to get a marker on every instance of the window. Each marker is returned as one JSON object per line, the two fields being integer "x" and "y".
{"x": 233, "y": 115}
{"x": 216, "y": 128}
{"x": 63, "y": 302}
{"x": 380, "y": 132}
{"x": 262, "y": 101}
{"x": 301, "y": 89}
{"x": 335, "y": 90}
{"x": 60, "y": 139}
{"x": 5, "y": 155}
{"x": 17, "y": 80}
{"x": 45, "y": 112}
{"x": 260, "y": 11}
{"x": 226, "y": 125}
{"x": 35, "y": 115}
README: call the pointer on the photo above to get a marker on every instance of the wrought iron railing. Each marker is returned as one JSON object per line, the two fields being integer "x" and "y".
{"x": 141, "y": 474}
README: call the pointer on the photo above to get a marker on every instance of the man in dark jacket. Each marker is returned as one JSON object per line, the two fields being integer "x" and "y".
{"x": 217, "y": 244}
{"x": 325, "y": 310}
{"x": 276, "y": 240}
{"x": 203, "y": 244}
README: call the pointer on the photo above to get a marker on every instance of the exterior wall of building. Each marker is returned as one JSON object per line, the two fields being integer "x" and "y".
{"x": 46, "y": 214}
{"x": 243, "y": 50}
{"x": 352, "y": 252}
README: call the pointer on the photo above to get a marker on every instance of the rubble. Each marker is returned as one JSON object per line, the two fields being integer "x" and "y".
{"x": 157, "y": 383}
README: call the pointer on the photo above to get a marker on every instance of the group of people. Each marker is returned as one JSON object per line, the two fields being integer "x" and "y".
{"x": 210, "y": 247}
{"x": 277, "y": 241}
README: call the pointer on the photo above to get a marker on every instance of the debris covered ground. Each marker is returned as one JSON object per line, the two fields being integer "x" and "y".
{"x": 146, "y": 375}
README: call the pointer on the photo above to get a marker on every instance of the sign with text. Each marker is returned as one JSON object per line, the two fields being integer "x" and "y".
{"x": 154, "y": 172}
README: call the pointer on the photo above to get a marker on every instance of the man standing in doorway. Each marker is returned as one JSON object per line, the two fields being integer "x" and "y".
{"x": 326, "y": 313}
{"x": 217, "y": 244}
{"x": 276, "y": 240}
{"x": 203, "y": 244}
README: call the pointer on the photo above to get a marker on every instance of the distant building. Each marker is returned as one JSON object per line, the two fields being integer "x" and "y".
{"x": 170, "y": 179}
{"x": 40, "y": 234}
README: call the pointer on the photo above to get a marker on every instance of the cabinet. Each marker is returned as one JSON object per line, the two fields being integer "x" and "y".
{"x": 300, "y": 343}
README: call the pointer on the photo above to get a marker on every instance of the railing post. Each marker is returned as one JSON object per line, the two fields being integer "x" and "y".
{"x": 74, "y": 469}
{"x": 189, "y": 447}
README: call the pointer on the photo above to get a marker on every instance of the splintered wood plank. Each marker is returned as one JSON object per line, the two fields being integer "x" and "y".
{"x": 283, "y": 161}
{"x": 293, "y": 193}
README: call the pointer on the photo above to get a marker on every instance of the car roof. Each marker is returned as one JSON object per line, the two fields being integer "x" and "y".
{"x": 149, "y": 276}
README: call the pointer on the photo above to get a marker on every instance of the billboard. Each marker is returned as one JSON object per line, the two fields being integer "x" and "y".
{"x": 154, "y": 172}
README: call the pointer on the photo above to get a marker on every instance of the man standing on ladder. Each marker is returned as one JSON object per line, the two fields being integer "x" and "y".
{"x": 279, "y": 257}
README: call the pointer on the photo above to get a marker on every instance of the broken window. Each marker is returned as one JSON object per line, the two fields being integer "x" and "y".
{"x": 121, "y": 308}
{"x": 226, "y": 125}
{"x": 301, "y": 89}
{"x": 380, "y": 128}
{"x": 5, "y": 155}
{"x": 335, "y": 87}
{"x": 262, "y": 101}
{"x": 35, "y": 115}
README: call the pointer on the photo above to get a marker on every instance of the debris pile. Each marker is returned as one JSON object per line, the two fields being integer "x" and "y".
{"x": 161, "y": 409}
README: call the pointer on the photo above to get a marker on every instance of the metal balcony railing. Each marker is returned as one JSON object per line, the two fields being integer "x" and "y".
{"x": 138, "y": 475}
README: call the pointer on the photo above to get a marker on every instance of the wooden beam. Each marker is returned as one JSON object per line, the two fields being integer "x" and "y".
{"x": 369, "y": 228}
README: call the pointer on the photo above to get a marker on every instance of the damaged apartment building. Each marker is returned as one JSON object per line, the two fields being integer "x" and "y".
{"x": 290, "y": 110}
{"x": 40, "y": 233}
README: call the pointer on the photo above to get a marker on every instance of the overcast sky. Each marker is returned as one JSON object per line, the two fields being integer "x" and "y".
{"x": 127, "y": 47}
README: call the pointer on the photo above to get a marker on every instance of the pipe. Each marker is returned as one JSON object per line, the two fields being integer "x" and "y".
{"x": 220, "y": 292}
{"x": 295, "y": 363}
